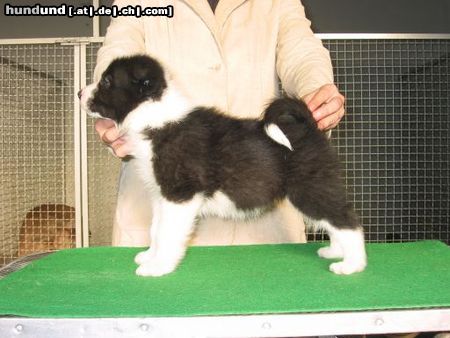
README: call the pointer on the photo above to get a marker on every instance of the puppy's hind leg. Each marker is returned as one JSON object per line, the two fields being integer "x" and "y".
{"x": 170, "y": 235}
{"x": 346, "y": 235}
{"x": 333, "y": 251}
{"x": 346, "y": 243}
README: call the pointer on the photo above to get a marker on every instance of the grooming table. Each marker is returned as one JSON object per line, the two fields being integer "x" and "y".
{"x": 237, "y": 291}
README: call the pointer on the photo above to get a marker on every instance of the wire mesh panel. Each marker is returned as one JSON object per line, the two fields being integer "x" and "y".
{"x": 394, "y": 142}
{"x": 103, "y": 173}
{"x": 395, "y": 139}
{"x": 36, "y": 149}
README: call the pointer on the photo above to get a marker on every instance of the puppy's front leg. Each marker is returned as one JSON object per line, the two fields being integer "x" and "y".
{"x": 146, "y": 255}
{"x": 171, "y": 232}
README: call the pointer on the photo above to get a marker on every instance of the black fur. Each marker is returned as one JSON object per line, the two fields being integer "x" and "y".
{"x": 198, "y": 152}
{"x": 125, "y": 84}
{"x": 208, "y": 152}
{"x": 313, "y": 177}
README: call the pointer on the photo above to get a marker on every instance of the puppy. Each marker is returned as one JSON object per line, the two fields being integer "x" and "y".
{"x": 47, "y": 227}
{"x": 198, "y": 162}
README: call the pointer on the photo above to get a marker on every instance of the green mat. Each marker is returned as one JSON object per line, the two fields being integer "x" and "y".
{"x": 100, "y": 282}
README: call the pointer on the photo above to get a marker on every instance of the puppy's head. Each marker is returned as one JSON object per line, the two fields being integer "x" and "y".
{"x": 124, "y": 85}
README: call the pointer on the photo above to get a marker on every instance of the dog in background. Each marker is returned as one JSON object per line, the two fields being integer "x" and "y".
{"x": 47, "y": 227}
{"x": 197, "y": 162}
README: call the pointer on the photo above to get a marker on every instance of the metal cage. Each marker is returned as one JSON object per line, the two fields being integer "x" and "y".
{"x": 58, "y": 182}
{"x": 395, "y": 140}
{"x": 36, "y": 149}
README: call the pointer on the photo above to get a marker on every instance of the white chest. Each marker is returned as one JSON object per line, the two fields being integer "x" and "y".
{"x": 142, "y": 153}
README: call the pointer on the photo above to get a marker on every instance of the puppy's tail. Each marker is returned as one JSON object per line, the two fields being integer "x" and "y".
{"x": 287, "y": 120}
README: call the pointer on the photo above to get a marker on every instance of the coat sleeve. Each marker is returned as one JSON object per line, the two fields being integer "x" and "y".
{"x": 125, "y": 36}
{"x": 303, "y": 64}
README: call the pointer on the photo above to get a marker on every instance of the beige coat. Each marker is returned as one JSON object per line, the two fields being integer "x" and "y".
{"x": 231, "y": 60}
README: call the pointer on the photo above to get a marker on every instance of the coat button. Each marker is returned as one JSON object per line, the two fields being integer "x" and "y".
{"x": 215, "y": 67}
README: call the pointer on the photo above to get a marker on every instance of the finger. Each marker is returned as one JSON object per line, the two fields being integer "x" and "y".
{"x": 106, "y": 129}
{"x": 117, "y": 143}
{"x": 110, "y": 135}
{"x": 329, "y": 108}
{"x": 101, "y": 125}
{"x": 121, "y": 147}
{"x": 324, "y": 94}
{"x": 122, "y": 150}
{"x": 330, "y": 121}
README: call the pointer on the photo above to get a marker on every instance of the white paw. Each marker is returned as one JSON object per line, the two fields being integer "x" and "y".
{"x": 155, "y": 268}
{"x": 143, "y": 257}
{"x": 347, "y": 268}
{"x": 330, "y": 252}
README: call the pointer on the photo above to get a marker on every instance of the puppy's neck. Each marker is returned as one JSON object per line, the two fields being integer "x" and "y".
{"x": 172, "y": 107}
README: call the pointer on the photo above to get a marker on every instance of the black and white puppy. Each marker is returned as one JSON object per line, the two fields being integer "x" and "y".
{"x": 198, "y": 162}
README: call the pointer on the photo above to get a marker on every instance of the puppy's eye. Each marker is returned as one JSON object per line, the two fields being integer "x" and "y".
{"x": 145, "y": 83}
{"x": 105, "y": 82}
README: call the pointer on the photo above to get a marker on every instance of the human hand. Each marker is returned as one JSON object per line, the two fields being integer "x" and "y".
{"x": 110, "y": 135}
{"x": 326, "y": 105}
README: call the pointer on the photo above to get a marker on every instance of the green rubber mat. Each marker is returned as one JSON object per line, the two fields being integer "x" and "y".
{"x": 291, "y": 278}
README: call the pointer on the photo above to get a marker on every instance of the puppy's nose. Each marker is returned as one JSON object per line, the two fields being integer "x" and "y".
{"x": 80, "y": 93}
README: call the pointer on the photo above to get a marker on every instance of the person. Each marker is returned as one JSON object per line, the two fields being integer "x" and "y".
{"x": 228, "y": 54}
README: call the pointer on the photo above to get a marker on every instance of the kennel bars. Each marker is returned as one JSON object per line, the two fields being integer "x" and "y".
{"x": 393, "y": 142}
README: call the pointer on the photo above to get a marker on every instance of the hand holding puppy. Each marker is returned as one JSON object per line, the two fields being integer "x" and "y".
{"x": 326, "y": 105}
{"x": 110, "y": 135}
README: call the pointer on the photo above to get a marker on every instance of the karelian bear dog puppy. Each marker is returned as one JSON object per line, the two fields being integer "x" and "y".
{"x": 196, "y": 161}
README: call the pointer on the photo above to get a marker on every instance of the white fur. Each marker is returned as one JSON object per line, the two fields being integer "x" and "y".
{"x": 221, "y": 206}
{"x": 347, "y": 244}
{"x": 275, "y": 133}
{"x": 173, "y": 223}
{"x": 172, "y": 107}
{"x": 87, "y": 93}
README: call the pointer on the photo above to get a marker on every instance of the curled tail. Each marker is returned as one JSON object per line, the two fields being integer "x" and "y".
{"x": 287, "y": 120}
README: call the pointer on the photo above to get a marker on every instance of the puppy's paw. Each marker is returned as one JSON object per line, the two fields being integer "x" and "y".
{"x": 330, "y": 252}
{"x": 155, "y": 268}
{"x": 347, "y": 268}
{"x": 143, "y": 257}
